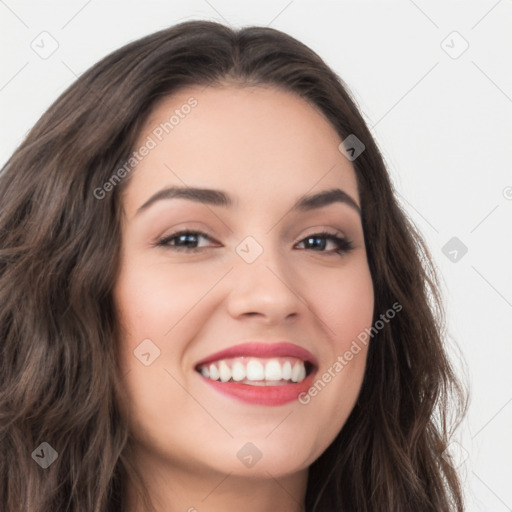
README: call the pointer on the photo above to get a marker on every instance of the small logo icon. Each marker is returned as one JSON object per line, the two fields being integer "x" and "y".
{"x": 249, "y": 455}
{"x": 351, "y": 147}
{"x": 44, "y": 455}
{"x": 454, "y": 249}
{"x": 454, "y": 45}
{"x": 146, "y": 352}
{"x": 507, "y": 193}
{"x": 45, "y": 45}
{"x": 249, "y": 249}
{"x": 455, "y": 454}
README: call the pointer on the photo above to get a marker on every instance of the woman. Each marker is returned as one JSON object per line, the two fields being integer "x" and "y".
{"x": 211, "y": 299}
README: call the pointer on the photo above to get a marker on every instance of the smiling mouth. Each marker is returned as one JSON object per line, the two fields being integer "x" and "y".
{"x": 256, "y": 371}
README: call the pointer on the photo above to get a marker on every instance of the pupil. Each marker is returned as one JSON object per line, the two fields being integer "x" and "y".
{"x": 321, "y": 243}
{"x": 187, "y": 239}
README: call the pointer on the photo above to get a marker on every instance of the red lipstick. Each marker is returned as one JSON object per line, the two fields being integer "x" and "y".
{"x": 264, "y": 394}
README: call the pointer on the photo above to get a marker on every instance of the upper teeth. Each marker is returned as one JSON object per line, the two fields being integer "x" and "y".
{"x": 255, "y": 369}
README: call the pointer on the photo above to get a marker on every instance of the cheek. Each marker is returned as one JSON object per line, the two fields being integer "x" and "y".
{"x": 345, "y": 303}
{"x": 152, "y": 299}
{"x": 161, "y": 303}
{"x": 346, "y": 311}
{"x": 153, "y": 302}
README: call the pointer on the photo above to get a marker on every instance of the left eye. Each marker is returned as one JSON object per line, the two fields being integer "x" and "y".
{"x": 187, "y": 241}
{"x": 320, "y": 241}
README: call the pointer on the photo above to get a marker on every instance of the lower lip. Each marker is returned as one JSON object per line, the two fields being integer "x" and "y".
{"x": 262, "y": 395}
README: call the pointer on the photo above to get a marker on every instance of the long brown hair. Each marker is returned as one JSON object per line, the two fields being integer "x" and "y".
{"x": 59, "y": 257}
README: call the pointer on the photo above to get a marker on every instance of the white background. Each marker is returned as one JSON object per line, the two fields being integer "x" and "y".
{"x": 443, "y": 124}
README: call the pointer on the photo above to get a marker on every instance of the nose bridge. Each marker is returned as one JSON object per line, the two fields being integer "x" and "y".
{"x": 262, "y": 281}
{"x": 262, "y": 259}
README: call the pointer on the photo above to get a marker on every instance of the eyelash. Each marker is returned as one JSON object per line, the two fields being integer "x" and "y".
{"x": 344, "y": 244}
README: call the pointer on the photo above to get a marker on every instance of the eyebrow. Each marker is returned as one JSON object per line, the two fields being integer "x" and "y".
{"x": 221, "y": 198}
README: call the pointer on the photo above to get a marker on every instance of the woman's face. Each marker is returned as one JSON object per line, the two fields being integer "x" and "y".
{"x": 258, "y": 280}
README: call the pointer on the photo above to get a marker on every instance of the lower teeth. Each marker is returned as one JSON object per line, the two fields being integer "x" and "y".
{"x": 264, "y": 382}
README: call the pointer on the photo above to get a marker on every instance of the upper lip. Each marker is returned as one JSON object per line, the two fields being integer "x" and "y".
{"x": 263, "y": 350}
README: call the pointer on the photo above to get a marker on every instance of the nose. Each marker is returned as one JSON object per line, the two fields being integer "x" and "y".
{"x": 264, "y": 290}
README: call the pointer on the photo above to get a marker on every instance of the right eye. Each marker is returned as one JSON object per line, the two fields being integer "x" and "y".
{"x": 184, "y": 241}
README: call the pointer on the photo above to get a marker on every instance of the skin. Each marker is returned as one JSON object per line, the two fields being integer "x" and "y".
{"x": 265, "y": 148}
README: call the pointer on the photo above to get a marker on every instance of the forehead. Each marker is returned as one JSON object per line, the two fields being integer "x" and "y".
{"x": 258, "y": 143}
